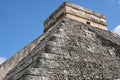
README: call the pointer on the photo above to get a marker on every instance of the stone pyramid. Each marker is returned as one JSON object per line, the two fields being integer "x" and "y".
{"x": 75, "y": 45}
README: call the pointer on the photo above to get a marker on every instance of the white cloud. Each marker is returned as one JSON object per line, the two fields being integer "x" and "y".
{"x": 117, "y": 29}
{"x": 2, "y": 60}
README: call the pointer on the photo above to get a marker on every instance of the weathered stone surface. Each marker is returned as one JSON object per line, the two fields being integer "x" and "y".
{"x": 85, "y": 54}
{"x": 70, "y": 50}
{"x": 14, "y": 60}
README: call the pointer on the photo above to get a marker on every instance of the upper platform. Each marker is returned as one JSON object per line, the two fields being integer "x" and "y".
{"x": 78, "y": 13}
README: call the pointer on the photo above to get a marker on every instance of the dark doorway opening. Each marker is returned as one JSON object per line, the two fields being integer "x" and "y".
{"x": 87, "y": 22}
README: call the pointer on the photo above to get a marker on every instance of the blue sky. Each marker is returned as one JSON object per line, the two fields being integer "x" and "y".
{"x": 21, "y": 21}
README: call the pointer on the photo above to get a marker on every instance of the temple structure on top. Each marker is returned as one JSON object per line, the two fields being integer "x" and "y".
{"x": 78, "y": 13}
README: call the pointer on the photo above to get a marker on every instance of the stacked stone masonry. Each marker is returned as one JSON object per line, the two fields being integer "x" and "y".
{"x": 72, "y": 51}
{"x": 68, "y": 50}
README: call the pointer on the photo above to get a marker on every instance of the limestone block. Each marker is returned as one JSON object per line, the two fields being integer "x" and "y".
{"x": 31, "y": 77}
